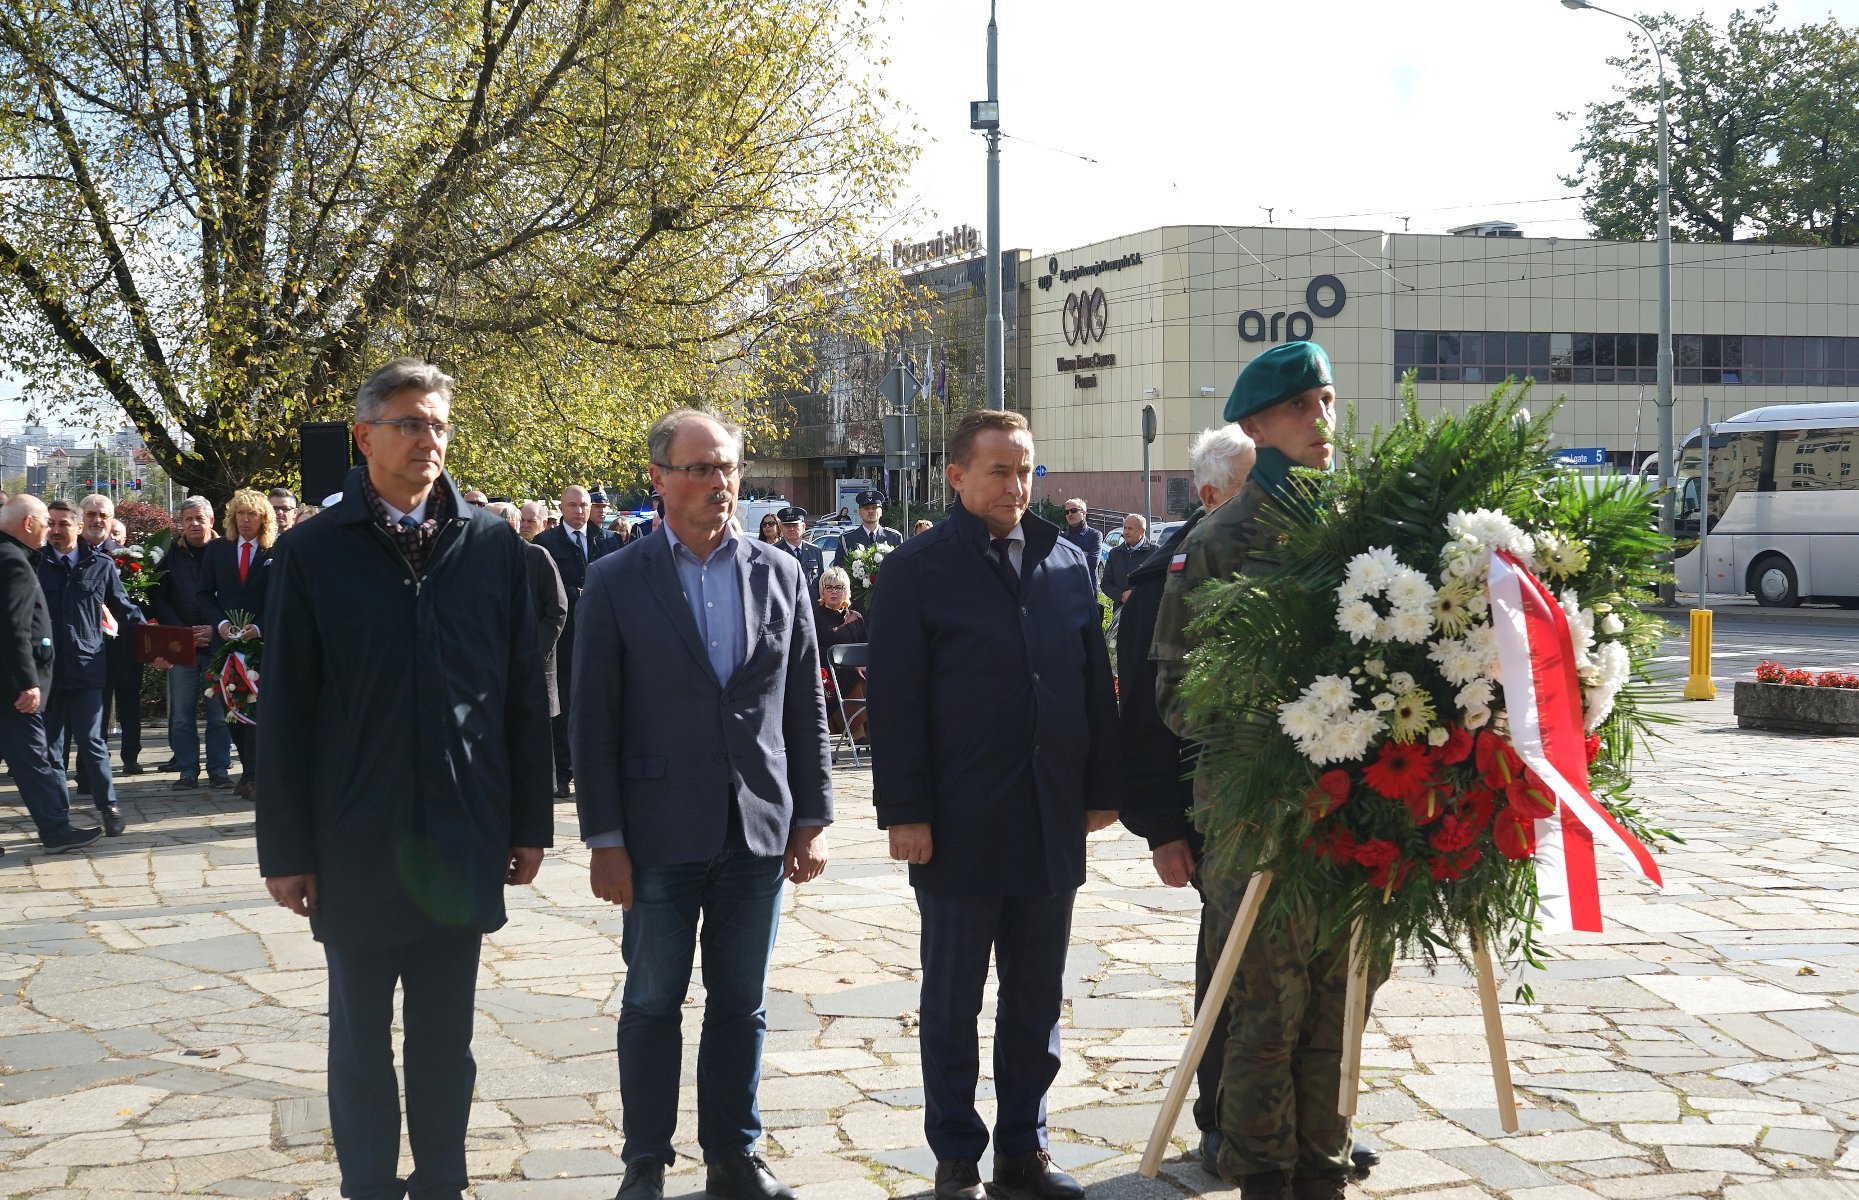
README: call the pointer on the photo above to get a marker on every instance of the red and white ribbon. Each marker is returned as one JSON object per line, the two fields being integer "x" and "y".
{"x": 1542, "y": 694}
{"x": 235, "y": 670}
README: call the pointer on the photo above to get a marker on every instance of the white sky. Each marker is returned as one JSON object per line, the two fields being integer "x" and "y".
{"x": 1345, "y": 113}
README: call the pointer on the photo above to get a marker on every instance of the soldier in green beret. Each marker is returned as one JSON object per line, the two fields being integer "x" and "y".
{"x": 1282, "y": 1135}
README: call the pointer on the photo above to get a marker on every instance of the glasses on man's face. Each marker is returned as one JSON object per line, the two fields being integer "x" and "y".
{"x": 697, "y": 472}
{"x": 412, "y": 427}
{"x": 1074, "y": 512}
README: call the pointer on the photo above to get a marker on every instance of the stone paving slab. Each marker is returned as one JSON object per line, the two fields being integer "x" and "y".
{"x": 162, "y": 1025}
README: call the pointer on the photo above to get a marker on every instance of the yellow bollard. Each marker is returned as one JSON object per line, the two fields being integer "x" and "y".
{"x": 1700, "y": 686}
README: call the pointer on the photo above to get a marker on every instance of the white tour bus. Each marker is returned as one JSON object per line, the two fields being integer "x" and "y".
{"x": 1784, "y": 505}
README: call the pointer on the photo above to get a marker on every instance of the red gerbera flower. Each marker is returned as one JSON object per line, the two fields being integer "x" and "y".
{"x": 1458, "y": 746}
{"x": 1515, "y": 833}
{"x": 1330, "y": 794}
{"x": 1496, "y": 761}
{"x": 1400, "y": 771}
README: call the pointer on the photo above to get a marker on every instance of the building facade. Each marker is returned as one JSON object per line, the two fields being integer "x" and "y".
{"x": 1169, "y": 316}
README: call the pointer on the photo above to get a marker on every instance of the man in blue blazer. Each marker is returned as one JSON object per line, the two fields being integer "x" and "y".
{"x": 703, "y": 780}
{"x": 994, "y": 739}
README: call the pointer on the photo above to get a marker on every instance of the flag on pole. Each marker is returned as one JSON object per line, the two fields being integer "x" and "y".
{"x": 1542, "y": 693}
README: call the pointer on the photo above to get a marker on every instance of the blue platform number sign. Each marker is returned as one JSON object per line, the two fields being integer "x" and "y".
{"x": 1039, "y": 472}
{"x": 1582, "y": 456}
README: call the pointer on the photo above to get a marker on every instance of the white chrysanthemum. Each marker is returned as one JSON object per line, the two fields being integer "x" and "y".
{"x": 1301, "y": 721}
{"x": 1354, "y": 732}
{"x": 1410, "y": 624}
{"x": 1476, "y": 694}
{"x": 1358, "y": 619}
{"x": 1370, "y": 571}
{"x": 1409, "y": 589}
{"x": 1581, "y": 627}
{"x": 1482, "y": 641}
{"x": 1614, "y": 667}
{"x": 1331, "y": 691}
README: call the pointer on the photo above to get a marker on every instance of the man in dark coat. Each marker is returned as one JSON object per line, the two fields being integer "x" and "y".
{"x": 548, "y": 596}
{"x": 1123, "y": 557}
{"x": 26, "y": 660}
{"x": 700, "y": 803}
{"x": 993, "y": 730}
{"x": 1079, "y": 533}
{"x": 403, "y": 772}
{"x": 575, "y": 544}
{"x": 870, "y": 532}
{"x": 793, "y": 521}
{"x": 177, "y": 600}
{"x": 232, "y": 580}
{"x": 80, "y": 583}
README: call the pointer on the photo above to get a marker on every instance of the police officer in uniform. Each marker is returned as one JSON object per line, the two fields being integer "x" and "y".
{"x": 793, "y": 520}
{"x": 870, "y": 532}
{"x": 1283, "y": 1138}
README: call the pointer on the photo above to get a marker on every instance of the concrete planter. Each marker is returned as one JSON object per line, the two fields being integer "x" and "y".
{"x": 1793, "y": 708}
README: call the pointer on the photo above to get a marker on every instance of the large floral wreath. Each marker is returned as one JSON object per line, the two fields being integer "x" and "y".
{"x": 1348, "y": 702}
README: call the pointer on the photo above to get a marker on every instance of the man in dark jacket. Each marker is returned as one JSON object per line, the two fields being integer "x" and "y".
{"x": 1123, "y": 557}
{"x": 177, "y": 601}
{"x": 233, "y": 581}
{"x": 547, "y": 595}
{"x": 993, "y": 730}
{"x": 793, "y": 521}
{"x": 870, "y": 531}
{"x": 80, "y": 583}
{"x": 575, "y": 544}
{"x": 403, "y": 772}
{"x": 1079, "y": 533}
{"x": 26, "y": 657}
{"x": 122, "y": 688}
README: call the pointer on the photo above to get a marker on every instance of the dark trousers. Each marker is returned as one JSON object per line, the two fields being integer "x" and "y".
{"x": 438, "y": 978}
{"x": 123, "y": 697}
{"x": 245, "y": 738}
{"x": 41, "y": 784}
{"x": 737, "y": 896}
{"x": 1028, "y": 936}
{"x": 76, "y": 715}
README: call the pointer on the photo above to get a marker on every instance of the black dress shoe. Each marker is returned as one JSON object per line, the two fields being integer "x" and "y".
{"x": 77, "y": 839}
{"x": 561, "y": 789}
{"x": 644, "y": 1180}
{"x": 743, "y": 1176}
{"x": 1333, "y": 1186}
{"x": 1266, "y": 1185}
{"x": 223, "y": 783}
{"x": 130, "y": 768}
{"x": 1209, "y": 1154}
{"x": 186, "y": 783}
{"x": 1035, "y": 1175}
{"x": 1364, "y": 1158}
{"x": 112, "y": 821}
{"x": 959, "y": 1179}
{"x": 173, "y": 764}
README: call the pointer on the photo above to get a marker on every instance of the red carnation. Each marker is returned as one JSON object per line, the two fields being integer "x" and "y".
{"x": 1399, "y": 772}
{"x": 1496, "y": 761}
{"x": 1442, "y": 869}
{"x": 1476, "y": 807}
{"x": 1593, "y": 746}
{"x": 135, "y": 568}
{"x": 1390, "y": 875}
{"x": 1454, "y": 833}
{"x": 1340, "y": 846}
{"x": 1466, "y": 858}
{"x": 1531, "y": 795}
{"x": 1377, "y": 852}
{"x": 1426, "y": 807}
{"x": 1330, "y": 794}
{"x": 1515, "y": 833}
{"x": 1458, "y": 746}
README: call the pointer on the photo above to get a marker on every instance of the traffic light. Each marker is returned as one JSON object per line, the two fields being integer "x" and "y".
{"x": 136, "y": 484}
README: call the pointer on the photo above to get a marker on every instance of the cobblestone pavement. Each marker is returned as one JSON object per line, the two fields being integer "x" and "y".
{"x": 162, "y": 1027}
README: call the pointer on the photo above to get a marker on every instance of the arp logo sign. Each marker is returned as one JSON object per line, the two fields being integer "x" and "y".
{"x": 1296, "y": 326}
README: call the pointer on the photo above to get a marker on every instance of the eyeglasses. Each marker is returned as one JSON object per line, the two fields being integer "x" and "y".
{"x": 700, "y": 471}
{"x": 1074, "y": 512}
{"x": 412, "y": 427}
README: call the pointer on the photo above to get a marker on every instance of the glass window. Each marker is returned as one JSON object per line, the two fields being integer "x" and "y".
{"x": 1713, "y": 351}
{"x": 1403, "y": 348}
{"x": 1688, "y": 350}
{"x": 1494, "y": 350}
{"x": 1428, "y": 374}
{"x": 1835, "y": 350}
{"x": 1712, "y": 375}
{"x": 1813, "y": 352}
{"x": 1732, "y": 351}
{"x": 1604, "y": 352}
{"x": 1604, "y": 374}
{"x": 1627, "y": 354}
{"x": 1517, "y": 350}
{"x": 1559, "y": 349}
{"x": 1794, "y": 353}
{"x": 1649, "y": 350}
{"x": 1584, "y": 351}
{"x": 1425, "y": 344}
{"x": 1690, "y": 376}
{"x": 1449, "y": 374}
{"x": 1448, "y": 350}
{"x": 1471, "y": 348}
{"x": 1558, "y": 374}
{"x": 1474, "y": 374}
{"x": 1539, "y": 349}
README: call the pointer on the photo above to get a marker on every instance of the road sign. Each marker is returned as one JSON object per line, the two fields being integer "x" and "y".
{"x": 899, "y": 386}
{"x": 1583, "y": 456}
{"x": 900, "y": 440}
{"x": 1039, "y": 472}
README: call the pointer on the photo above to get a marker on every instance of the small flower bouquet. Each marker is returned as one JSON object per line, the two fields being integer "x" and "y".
{"x": 1348, "y": 699}
{"x": 862, "y": 565}
{"x": 140, "y": 565}
{"x": 232, "y": 676}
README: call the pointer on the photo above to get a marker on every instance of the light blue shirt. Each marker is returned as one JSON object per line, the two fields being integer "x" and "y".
{"x": 713, "y": 591}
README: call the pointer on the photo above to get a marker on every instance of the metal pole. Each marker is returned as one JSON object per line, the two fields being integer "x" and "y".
{"x": 1146, "y": 484}
{"x": 1704, "y": 512}
{"x": 996, "y": 329}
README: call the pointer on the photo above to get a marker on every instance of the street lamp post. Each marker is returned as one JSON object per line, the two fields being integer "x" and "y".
{"x": 1668, "y": 461}
{"x": 985, "y": 115}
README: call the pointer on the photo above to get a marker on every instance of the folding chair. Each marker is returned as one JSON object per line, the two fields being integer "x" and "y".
{"x": 840, "y": 658}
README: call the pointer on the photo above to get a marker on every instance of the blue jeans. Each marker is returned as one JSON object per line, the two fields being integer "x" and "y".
{"x": 184, "y": 688}
{"x": 41, "y": 785}
{"x": 77, "y": 714}
{"x": 438, "y": 977}
{"x": 1028, "y": 936}
{"x": 738, "y": 896}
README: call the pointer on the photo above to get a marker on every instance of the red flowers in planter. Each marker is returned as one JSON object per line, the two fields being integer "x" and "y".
{"x": 1772, "y": 672}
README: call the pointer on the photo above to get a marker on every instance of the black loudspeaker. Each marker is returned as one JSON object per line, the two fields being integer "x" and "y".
{"x": 325, "y": 452}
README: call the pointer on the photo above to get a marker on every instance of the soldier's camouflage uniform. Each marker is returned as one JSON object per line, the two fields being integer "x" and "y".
{"x": 1279, "y": 1083}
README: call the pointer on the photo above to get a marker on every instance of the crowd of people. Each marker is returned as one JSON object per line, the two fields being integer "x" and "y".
{"x": 441, "y": 666}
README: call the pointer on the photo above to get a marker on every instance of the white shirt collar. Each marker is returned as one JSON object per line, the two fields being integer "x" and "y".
{"x": 418, "y": 514}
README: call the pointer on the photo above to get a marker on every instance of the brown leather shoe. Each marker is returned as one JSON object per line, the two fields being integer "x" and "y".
{"x": 1035, "y": 1175}
{"x": 959, "y": 1179}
